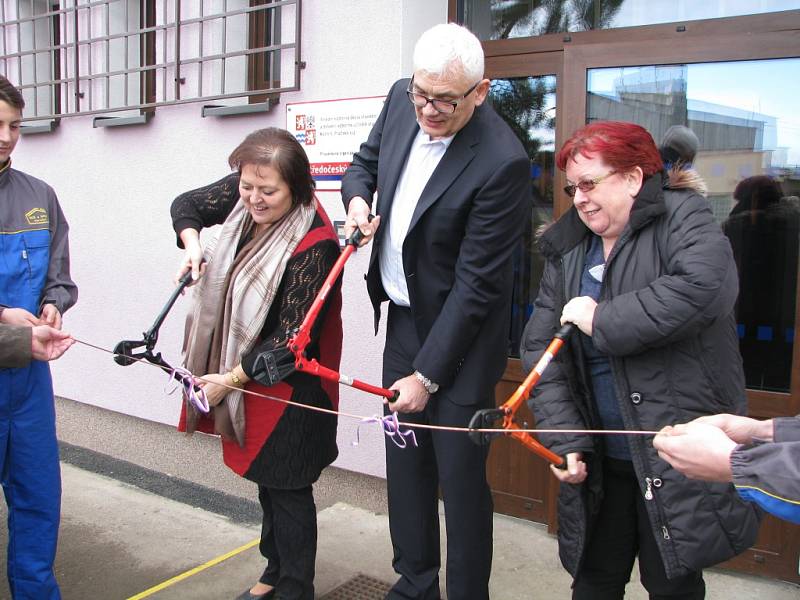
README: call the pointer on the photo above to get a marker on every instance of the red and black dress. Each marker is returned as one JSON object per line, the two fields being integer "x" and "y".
{"x": 286, "y": 447}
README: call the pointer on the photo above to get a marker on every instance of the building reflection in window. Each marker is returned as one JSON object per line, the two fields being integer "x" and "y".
{"x": 749, "y": 157}
{"x": 527, "y": 104}
{"x": 501, "y": 19}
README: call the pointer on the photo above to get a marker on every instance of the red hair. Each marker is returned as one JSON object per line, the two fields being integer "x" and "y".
{"x": 622, "y": 146}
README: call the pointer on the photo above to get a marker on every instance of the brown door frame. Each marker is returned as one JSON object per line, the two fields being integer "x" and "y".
{"x": 539, "y": 64}
{"x": 569, "y": 56}
{"x": 677, "y": 48}
{"x": 507, "y": 67}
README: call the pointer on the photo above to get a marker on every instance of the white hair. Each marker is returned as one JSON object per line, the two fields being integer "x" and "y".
{"x": 448, "y": 50}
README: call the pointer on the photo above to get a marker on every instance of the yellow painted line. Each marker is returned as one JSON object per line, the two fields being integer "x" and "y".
{"x": 190, "y": 572}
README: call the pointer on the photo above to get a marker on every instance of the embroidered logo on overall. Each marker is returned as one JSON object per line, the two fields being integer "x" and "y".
{"x": 37, "y": 216}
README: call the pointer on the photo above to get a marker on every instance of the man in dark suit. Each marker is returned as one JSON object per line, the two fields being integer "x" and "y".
{"x": 453, "y": 196}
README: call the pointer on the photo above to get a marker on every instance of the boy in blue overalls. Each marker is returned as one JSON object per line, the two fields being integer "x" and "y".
{"x": 35, "y": 289}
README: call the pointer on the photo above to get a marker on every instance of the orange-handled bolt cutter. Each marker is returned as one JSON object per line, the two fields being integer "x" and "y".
{"x": 487, "y": 418}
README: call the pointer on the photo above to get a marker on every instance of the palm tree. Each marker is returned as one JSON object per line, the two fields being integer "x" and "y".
{"x": 538, "y": 17}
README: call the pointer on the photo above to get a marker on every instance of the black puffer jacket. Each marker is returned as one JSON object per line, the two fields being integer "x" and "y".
{"x": 665, "y": 319}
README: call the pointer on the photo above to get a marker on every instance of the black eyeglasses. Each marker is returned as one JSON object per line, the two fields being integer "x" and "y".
{"x": 587, "y": 185}
{"x": 445, "y": 107}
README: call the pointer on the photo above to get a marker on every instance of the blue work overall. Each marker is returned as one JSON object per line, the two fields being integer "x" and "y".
{"x": 29, "y": 464}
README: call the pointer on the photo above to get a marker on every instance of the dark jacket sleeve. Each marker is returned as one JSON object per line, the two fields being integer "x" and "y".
{"x": 59, "y": 289}
{"x": 206, "y": 206}
{"x": 768, "y": 473}
{"x": 15, "y": 346}
{"x": 786, "y": 429}
{"x": 699, "y": 286}
{"x": 493, "y": 230}
{"x": 304, "y": 276}
{"x": 551, "y": 402}
{"x": 361, "y": 177}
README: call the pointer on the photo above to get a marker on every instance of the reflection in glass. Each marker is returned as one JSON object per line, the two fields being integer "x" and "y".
{"x": 763, "y": 228}
{"x": 501, "y": 19}
{"x": 528, "y": 105}
{"x": 749, "y": 156}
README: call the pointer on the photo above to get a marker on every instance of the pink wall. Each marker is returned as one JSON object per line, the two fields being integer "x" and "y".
{"x": 116, "y": 185}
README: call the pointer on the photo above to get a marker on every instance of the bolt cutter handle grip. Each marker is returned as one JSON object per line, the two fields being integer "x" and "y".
{"x": 151, "y": 335}
{"x": 357, "y": 236}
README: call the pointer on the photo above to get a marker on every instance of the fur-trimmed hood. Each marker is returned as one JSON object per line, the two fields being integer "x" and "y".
{"x": 686, "y": 179}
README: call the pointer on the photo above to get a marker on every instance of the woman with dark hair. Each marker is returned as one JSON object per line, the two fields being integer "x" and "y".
{"x": 643, "y": 271}
{"x": 260, "y": 276}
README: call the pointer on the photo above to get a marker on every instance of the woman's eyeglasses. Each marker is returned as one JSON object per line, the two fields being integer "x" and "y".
{"x": 587, "y": 185}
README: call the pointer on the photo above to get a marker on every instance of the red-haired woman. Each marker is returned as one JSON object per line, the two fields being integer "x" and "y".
{"x": 639, "y": 265}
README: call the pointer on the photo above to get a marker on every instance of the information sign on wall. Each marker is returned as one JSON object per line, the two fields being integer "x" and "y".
{"x": 331, "y": 131}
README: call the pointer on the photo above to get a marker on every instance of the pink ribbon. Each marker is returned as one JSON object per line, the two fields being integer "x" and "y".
{"x": 193, "y": 393}
{"x": 391, "y": 427}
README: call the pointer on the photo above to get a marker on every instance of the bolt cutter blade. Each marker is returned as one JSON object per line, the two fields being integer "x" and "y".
{"x": 485, "y": 419}
{"x": 124, "y": 352}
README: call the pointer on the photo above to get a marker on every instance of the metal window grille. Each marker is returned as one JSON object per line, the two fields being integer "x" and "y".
{"x": 83, "y": 57}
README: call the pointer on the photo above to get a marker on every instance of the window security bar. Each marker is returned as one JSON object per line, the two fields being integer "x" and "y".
{"x": 82, "y": 57}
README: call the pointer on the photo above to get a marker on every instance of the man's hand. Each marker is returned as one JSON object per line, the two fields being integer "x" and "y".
{"x": 698, "y": 450}
{"x": 358, "y": 217}
{"x": 413, "y": 395}
{"x": 580, "y": 311}
{"x": 575, "y": 472}
{"x": 51, "y": 316}
{"x": 48, "y": 343}
{"x": 19, "y": 317}
{"x": 741, "y": 430}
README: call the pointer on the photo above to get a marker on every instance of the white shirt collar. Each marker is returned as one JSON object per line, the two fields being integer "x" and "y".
{"x": 424, "y": 138}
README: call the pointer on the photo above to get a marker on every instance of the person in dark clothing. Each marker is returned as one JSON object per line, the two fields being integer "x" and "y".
{"x": 764, "y": 231}
{"x": 641, "y": 268}
{"x": 678, "y": 147}
{"x": 270, "y": 259}
{"x": 453, "y": 186}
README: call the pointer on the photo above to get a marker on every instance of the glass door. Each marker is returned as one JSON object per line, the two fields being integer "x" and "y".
{"x": 738, "y": 93}
{"x": 528, "y": 105}
{"x": 732, "y": 76}
{"x": 525, "y": 96}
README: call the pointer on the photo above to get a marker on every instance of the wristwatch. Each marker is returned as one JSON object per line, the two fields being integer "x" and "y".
{"x": 429, "y": 385}
{"x": 235, "y": 379}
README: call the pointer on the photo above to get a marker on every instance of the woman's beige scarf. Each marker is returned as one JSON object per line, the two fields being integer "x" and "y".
{"x": 232, "y": 300}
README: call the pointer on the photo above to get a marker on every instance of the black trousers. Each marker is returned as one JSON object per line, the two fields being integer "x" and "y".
{"x": 621, "y": 531}
{"x": 414, "y": 475}
{"x": 289, "y": 541}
